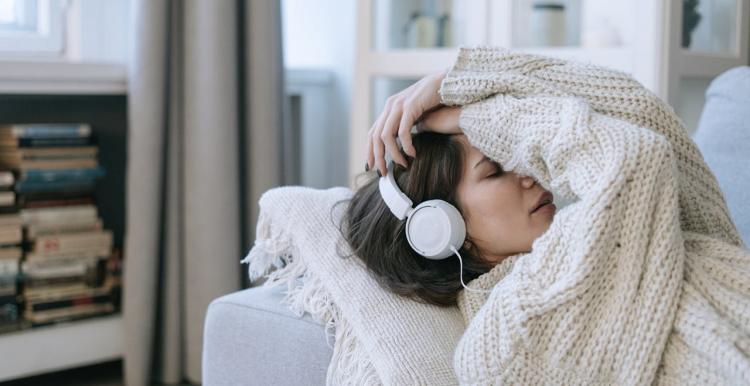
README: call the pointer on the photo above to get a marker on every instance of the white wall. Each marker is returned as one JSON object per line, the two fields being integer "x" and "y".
{"x": 98, "y": 31}
{"x": 320, "y": 34}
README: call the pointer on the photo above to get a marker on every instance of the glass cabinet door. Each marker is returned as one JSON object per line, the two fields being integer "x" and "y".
{"x": 414, "y": 24}
{"x": 710, "y": 26}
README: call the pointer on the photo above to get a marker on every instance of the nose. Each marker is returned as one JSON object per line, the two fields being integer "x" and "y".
{"x": 527, "y": 181}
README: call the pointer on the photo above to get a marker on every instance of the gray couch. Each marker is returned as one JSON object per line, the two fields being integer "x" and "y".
{"x": 251, "y": 339}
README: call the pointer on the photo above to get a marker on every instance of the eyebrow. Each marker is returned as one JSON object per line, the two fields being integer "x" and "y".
{"x": 485, "y": 159}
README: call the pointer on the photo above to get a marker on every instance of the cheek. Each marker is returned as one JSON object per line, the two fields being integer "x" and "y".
{"x": 494, "y": 209}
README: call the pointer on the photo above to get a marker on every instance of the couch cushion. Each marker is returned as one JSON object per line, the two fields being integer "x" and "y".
{"x": 723, "y": 136}
{"x": 251, "y": 338}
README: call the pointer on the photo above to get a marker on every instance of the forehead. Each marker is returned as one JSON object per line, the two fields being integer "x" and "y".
{"x": 471, "y": 153}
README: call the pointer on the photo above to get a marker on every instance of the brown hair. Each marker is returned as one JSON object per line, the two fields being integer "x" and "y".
{"x": 377, "y": 237}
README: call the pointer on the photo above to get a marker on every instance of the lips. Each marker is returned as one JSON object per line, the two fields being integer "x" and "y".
{"x": 545, "y": 198}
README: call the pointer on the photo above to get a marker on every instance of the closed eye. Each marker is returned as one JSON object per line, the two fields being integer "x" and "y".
{"x": 498, "y": 172}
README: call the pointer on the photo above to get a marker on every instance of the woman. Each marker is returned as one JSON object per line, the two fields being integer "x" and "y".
{"x": 643, "y": 279}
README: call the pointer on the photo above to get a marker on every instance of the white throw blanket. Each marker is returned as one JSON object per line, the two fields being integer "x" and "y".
{"x": 642, "y": 280}
{"x": 380, "y": 337}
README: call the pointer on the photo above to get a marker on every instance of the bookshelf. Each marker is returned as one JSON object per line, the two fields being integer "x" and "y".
{"x": 55, "y": 92}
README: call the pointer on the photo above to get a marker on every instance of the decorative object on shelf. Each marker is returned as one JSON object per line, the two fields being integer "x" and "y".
{"x": 421, "y": 30}
{"x": 603, "y": 34}
{"x": 690, "y": 20}
{"x": 548, "y": 24}
{"x": 445, "y": 31}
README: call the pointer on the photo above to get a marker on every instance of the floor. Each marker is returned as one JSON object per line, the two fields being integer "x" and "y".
{"x": 104, "y": 374}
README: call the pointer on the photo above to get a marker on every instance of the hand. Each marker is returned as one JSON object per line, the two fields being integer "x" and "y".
{"x": 399, "y": 114}
{"x": 443, "y": 120}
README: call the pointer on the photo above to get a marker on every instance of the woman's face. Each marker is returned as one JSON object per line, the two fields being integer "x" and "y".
{"x": 497, "y": 206}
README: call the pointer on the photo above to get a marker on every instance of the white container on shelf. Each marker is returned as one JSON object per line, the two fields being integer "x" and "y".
{"x": 548, "y": 24}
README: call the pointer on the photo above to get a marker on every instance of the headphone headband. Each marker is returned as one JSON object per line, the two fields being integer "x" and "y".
{"x": 398, "y": 202}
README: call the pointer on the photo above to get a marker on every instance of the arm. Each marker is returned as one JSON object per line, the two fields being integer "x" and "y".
{"x": 572, "y": 310}
{"x": 483, "y": 71}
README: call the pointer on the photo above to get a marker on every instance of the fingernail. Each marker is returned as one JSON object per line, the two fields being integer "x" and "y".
{"x": 367, "y": 167}
{"x": 379, "y": 175}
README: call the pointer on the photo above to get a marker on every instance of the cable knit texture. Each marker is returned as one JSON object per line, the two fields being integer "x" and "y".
{"x": 643, "y": 279}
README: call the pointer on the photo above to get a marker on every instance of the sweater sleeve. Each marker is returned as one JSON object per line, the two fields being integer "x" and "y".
{"x": 482, "y": 71}
{"x": 593, "y": 301}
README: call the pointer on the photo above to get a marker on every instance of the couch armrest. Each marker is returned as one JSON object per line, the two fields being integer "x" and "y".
{"x": 252, "y": 339}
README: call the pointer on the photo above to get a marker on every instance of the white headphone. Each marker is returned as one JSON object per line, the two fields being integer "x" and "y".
{"x": 432, "y": 228}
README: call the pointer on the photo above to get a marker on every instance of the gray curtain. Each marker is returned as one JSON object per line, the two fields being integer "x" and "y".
{"x": 205, "y": 128}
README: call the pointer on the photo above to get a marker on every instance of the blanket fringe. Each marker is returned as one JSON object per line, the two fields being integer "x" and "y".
{"x": 305, "y": 292}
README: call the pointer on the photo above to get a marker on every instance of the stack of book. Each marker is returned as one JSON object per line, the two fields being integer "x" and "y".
{"x": 66, "y": 268}
{"x": 10, "y": 252}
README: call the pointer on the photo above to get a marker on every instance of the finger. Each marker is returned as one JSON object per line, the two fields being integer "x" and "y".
{"x": 369, "y": 158}
{"x": 404, "y": 133}
{"x": 388, "y": 136}
{"x": 377, "y": 147}
{"x": 374, "y": 135}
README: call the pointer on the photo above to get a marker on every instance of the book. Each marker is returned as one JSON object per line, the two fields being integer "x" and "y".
{"x": 53, "y": 228}
{"x": 94, "y": 242}
{"x": 68, "y": 314}
{"x": 55, "y": 175}
{"x": 10, "y": 219}
{"x": 15, "y": 143}
{"x": 10, "y": 235}
{"x": 25, "y": 187}
{"x": 14, "y": 158}
{"x": 73, "y": 163}
{"x": 63, "y": 294}
{"x": 58, "y": 214}
{"x": 45, "y": 130}
{"x": 7, "y": 179}
{"x": 31, "y": 256}
{"x": 7, "y": 198}
{"x": 10, "y": 253}
{"x": 24, "y": 199}
{"x": 87, "y": 199}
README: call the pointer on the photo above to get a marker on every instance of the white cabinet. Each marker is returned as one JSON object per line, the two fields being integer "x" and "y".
{"x": 399, "y": 41}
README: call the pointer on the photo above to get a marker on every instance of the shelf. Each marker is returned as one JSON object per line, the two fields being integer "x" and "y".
{"x": 57, "y": 77}
{"x": 706, "y": 64}
{"x": 418, "y": 62}
{"x": 70, "y": 344}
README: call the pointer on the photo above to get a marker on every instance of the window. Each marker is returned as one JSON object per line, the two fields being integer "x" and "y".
{"x": 32, "y": 28}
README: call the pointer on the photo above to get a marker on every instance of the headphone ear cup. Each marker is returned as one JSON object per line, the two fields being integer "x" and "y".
{"x": 433, "y": 227}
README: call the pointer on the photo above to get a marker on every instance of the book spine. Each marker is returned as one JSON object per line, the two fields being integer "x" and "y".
{"x": 25, "y": 187}
{"x": 11, "y": 235}
{"x": 47, "y": 142}
{"x": 59, "y": 214}
{"x": 6, "y": 178}
{"x": 7, "y": 198}
{"x": 61, "y": 202}
{"x": 65, "y": 314}
{"x": 35, "y": 230}
{"x": 73, "y": 242}
{"x": 47, "y": 131}
{"x": 58, "y": 164}
{"x": 54, "y": 175}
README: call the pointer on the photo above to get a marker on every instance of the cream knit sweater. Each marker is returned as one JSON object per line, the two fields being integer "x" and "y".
{"x": 644, "y": 278}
